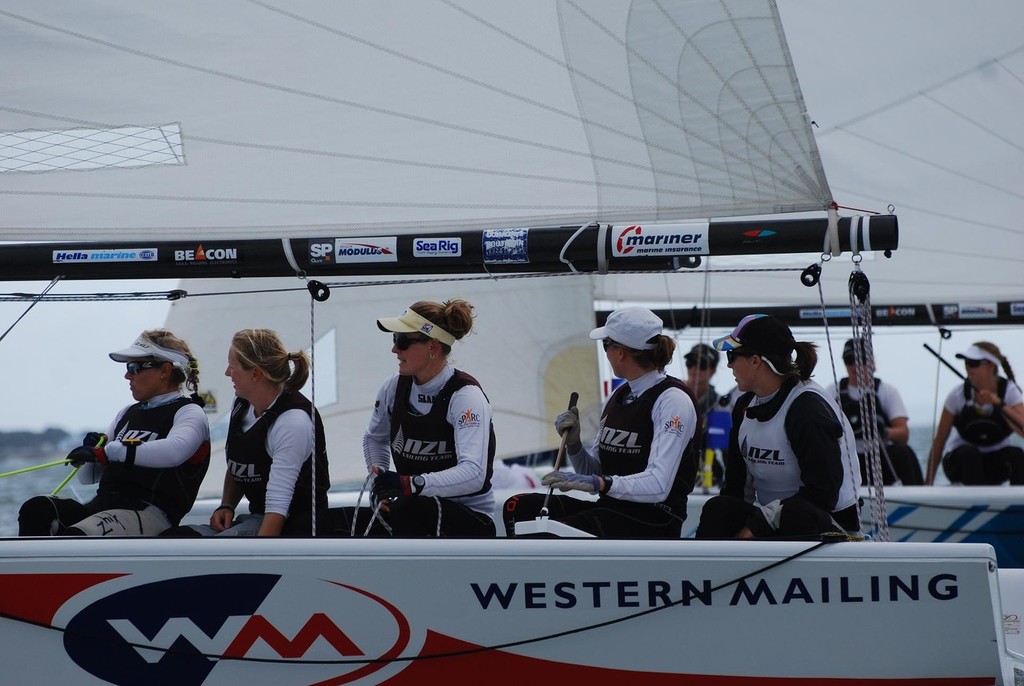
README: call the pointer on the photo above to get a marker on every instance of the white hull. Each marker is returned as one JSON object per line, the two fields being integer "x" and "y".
{"x": 90, "y": 611}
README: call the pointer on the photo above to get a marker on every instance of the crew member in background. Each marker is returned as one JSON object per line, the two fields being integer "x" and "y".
{"x": 893, "y": 428}
{"x": 701, "y": 364}
{"x": 986, "y": 410}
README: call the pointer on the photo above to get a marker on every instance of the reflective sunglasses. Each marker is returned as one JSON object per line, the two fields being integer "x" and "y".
{"x": 731, "y": 355}
{"x": 403, "y": 341}
{"x": 136, "y": 367}
{"x": 974, "y": 363}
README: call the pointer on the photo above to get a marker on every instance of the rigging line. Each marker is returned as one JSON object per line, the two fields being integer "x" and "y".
{"x": 934, "y": 165}
{"x": 941, "y": 215}
{"x": 602, "y": 85}
{"x": 688, "y": 597}
{"x": 977, "y": 124}
{"x": 168, "y": 295}
{"x": 900, "y": 101}
{"x": 35, "y": 301}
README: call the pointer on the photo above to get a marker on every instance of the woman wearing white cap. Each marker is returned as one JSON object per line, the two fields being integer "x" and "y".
{"x": 985, "y": 411}
{"x": 154, "y": 462}
{"x": 643, "y": 461}
{"x": 791, "y": 470}
{"x": 434, "y": 422}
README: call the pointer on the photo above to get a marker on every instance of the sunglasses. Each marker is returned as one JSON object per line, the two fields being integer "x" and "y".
{"x": 731, "y": 355}
{"x": 403, "y": 341}
{"x": 703, "y": 364}
{"x": 136, "y": 367}
{"x": 608, "y": 343}
{"x": 974, "y": 363}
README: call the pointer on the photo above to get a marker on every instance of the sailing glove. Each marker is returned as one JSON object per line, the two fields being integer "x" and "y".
{"x": 571, "y": 481}
{"x": 568, "y": 423}
{"x": 84, "y": 453}
{"x": 390, "y": 486}
{"x": 93, "y": 439}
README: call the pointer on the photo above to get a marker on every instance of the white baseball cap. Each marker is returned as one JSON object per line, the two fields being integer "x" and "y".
{"x": 978, "y": 353}
{"x": 633, "y": 327}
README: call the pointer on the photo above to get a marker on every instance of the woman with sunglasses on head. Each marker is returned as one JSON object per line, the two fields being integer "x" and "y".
{"x": 273, "y": 435}
{"x": 791, "y": 470}
{"x": 433, "y": 422}
{"x": 643, "y": 461}
{"x": 986, "y": 410}
{"x": 150, "y": 469}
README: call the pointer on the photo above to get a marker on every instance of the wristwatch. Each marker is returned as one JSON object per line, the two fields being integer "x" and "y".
{"x": 417, "y": 482}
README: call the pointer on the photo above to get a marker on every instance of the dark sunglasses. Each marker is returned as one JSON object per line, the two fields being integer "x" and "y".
{"x": 607, "y": 343}
{"x": 731, "y": 355}
{"x": 403, "y": 342}
{"x": 136, "y": 367}
{"x": 703, "y": 364}
{"x": 974, "y": 363}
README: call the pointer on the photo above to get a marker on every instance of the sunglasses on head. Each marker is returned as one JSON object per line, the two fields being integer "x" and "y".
{"x": 136, "y": 367}
{"x": 731, "y": 355}
{"x": 404, "y": 341}
{"x": 974, "y": 363}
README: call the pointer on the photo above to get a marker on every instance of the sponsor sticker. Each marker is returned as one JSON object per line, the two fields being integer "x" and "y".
{"x": 468, "y": 419}
{"x": 661, "y": 239}
{"x": 1017, "y": 309}
{"x": 437, "y": 247}
{"x": 376, "y": 249}
{"x": 895, "y": 312}
{"x": 830, "y": 313}
{"x": 201, "y": 255}
{"x": 979, "y": 311}
{"x": 105, "y": 255}
{"x": 506, "y": 246}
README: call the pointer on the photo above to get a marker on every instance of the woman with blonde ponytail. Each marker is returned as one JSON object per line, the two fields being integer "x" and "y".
{"x": 276, "y": 449}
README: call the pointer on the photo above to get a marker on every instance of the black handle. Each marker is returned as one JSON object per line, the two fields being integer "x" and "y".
{"x": 573, "y": 398}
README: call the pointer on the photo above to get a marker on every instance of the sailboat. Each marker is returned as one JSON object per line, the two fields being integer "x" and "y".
{"x": 329, "y": 162}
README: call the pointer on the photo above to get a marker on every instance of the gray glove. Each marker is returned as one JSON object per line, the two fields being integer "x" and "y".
{"x": 570, "y": 481}
{"x": 568, "y": 423}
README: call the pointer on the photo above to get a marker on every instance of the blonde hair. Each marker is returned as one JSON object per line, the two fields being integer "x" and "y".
{"x": 165, "y": 339}
{"x": 263, "y": 349}
{"x": 657, "y": 358}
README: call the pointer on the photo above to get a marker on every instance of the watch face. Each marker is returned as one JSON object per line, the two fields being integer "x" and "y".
{"x": 419, "y": 482}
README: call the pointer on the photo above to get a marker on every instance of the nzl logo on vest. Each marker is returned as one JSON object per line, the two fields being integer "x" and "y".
{"x": 760, "y": 455}
{"x": 180, "y": 631}
{"x": 663, "y": 239}
{"x": 617, "y": 438}
{"x": 243, "y": 471}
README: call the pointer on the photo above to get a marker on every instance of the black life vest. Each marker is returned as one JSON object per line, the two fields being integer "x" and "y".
{"x": 980, "y": 428}
{"x": 851, "y": 408}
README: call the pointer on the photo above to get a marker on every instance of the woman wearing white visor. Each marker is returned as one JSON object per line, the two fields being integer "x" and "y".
{"x": 985, "y": 411}
{"x": 150, "y": 468}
